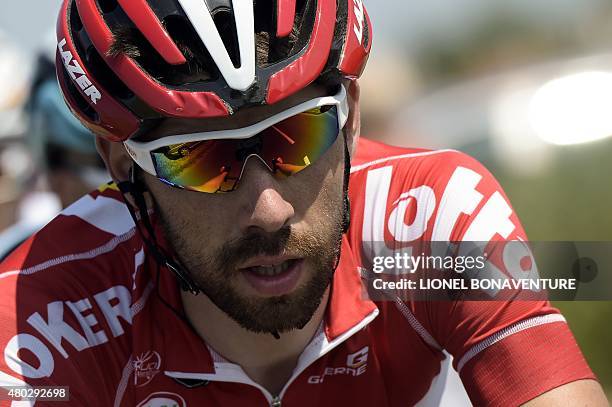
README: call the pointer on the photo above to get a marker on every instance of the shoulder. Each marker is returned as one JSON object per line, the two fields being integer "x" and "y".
{"x": 89, "y": 247}
{"x": 82, "y": 237}
{"x": 67, "y": 289}
{"x": 372, "y": 155}
{"x": 408, "y": 195}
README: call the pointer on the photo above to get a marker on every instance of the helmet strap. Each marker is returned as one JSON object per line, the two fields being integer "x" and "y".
{"x": 136, "y": 189}
{"x": 346, "y": 216}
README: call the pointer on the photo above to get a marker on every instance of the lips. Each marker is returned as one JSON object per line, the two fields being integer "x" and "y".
{"x": 272, "y": 276}
{"x": 265, "y": 261}
{"x": 270, "y": 271}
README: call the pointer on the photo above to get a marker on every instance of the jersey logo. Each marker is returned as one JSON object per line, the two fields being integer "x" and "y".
{"x": 358, "y": 359}
{"x": 163, "y": 399}
{"x": 63, "y": 337}
{"x": 146, "y": 366}
{"x": 490, "y": 215}
{"x": 77, "y": 73}
{"x": 460, "y": 197}
{"x": 356, "y": 364}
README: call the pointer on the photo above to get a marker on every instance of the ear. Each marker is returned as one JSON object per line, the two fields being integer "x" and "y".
{"x": 353, "y": 124}
{"x": 119, "y": 163}
{"x": 116, "y": 159}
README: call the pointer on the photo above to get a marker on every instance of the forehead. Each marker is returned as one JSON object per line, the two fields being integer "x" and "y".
{"x": 242, "y": 118}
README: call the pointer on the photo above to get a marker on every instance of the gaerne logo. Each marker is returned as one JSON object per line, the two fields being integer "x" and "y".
{"x": 163, "y": 399}
{"x": 146, "y": 366}
{"x": 356, "y": 364}
{"x": 77, "y": 73}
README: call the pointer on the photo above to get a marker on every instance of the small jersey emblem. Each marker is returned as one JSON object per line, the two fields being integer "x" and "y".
{"x": 163, "y": 399}
{"x": 146, "y": 366}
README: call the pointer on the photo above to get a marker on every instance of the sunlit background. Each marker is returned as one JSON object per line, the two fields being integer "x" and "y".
{"x": 525, "y": 86}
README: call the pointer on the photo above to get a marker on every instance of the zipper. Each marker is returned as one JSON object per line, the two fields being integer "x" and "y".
{"x": 332, "y": 345}
{"x": 237, "y": 375}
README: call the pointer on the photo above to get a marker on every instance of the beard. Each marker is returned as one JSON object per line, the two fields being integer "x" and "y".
{"x": 214, "y": 273}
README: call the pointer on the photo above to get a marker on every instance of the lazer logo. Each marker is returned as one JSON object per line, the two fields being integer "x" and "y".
{"x": 358, "y": 28}
{"x": 77, "y": 74}
{"x": 356, "y": 364}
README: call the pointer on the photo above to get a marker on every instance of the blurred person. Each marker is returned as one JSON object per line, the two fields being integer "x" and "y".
{"x": 61, "y": 145}
{"x": 13, "y": 91}
{"x": 222, "y": 265}
{"x": 14, "y": 75}
{"x": 66, "y": 164}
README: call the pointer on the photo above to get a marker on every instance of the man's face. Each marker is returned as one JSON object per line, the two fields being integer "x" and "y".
{"x": 264, "y": 253}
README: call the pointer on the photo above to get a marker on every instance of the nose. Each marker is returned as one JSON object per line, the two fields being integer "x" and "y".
{"x": 263, "y": 205}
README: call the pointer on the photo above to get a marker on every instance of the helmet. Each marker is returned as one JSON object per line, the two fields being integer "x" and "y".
{"x": 200, "y": 58}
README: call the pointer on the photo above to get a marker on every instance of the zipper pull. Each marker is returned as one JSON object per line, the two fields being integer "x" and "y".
{"x": 276, "y": 402}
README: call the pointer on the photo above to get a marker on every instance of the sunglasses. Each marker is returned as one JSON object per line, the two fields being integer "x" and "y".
{"x": 214, "y": 161}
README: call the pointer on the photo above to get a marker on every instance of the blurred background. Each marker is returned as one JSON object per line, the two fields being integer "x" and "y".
{"x": 525, "y": 86}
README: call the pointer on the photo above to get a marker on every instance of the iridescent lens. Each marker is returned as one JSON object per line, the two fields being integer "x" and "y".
{"x": 215, "y": 165}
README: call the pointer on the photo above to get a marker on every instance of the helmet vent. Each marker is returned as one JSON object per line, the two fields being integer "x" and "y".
{"x": 200, "y": 66}
{"x": 75, "y": 20}
{"x": 304, "y": 24}
{"x": 131, "y": 42}
{"x": 226, "y": 26}
{"x": 107, "y": 6}
{"x": 366, "y": 35}
{"x": 272, "y": 49}
{"x": 106, "y": 76}
{"x": 82, "y": 105}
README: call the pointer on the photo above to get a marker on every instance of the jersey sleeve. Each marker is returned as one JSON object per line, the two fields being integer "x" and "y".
{"x": 57, "y": 328}
{"x": 28, "y": 360}
{"x": 507, "y": 352}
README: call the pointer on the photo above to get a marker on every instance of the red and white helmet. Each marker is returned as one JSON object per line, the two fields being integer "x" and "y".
{"x": 118, "y": 96}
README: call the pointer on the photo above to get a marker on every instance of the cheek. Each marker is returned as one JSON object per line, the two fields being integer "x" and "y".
{"x": 189, "y": 215}
{"x": 320, "y": 192}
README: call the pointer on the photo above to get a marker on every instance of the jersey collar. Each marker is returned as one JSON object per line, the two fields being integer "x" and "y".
{"x": 347, "y": 312}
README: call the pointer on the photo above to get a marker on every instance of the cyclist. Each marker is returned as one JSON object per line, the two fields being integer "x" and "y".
{"x": 223, "y": 265}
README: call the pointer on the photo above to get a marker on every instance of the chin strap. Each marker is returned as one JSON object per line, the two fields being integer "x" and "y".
{"x": 346, "y": 218}
{"x": 136, "y": 189}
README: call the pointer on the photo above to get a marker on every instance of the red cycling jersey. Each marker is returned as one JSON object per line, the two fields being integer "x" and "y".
{"x": 80, "y": 306}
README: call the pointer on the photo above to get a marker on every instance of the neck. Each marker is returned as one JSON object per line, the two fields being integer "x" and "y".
{"x": 267, "y": 360}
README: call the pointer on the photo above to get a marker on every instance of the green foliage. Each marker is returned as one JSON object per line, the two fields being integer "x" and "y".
{"x": 573, "y": 202}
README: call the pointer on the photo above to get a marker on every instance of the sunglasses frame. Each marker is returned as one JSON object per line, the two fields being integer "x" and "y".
{"x": 140, "y": 151}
